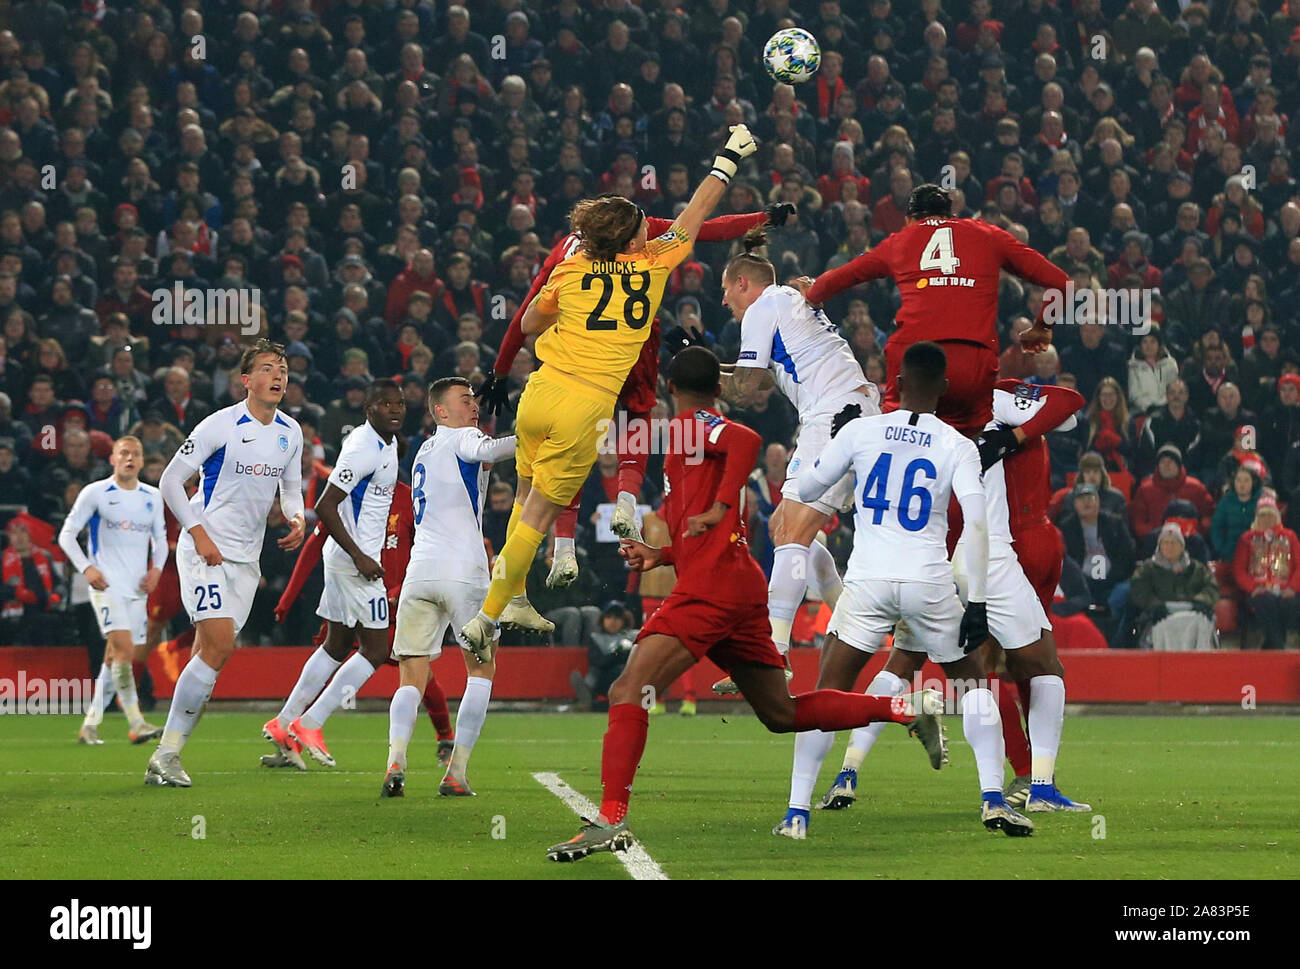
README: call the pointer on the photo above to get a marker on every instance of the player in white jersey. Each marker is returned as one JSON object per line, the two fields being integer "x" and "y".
{"x": 354, "y": 601}
{"x": 244, "y": 454}
{"x": 908, "y": 465}
{"x": 124, "y": 518}
{"x": 786, "y": 341}
{"x": 447, "y": 578}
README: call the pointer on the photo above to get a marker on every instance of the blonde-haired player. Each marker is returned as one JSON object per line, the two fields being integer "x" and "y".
{"x": 123, "y": 517}
{"x": 593, "y": 315}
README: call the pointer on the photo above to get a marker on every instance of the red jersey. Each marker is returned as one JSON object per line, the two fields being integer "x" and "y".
{"x": 709, "y": 460}
{"x": 947, "y": 275}
{"x": 1028, "y": 470}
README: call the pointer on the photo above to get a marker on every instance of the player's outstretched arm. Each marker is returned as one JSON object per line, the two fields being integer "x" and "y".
{"x": 641, "y": 557}
{"x": 708, "y": 194}
{"x": 540, "y": 316}
{"x": 832, "y": 464}
{"x": 862, "y": 269}
{"x": 514, "y": 338}
{"x": 1059, "y": 410}
{"x": 1033, "y": 266}
{"x": 478, "y": 448}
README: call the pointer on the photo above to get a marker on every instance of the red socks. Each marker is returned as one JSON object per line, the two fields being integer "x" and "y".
{"x": 631, "y": 467}
{"x": 838, "y": 710}
{"x": 435, "y": 704}
{"x": 1013, "y": 733}
{"x": 567, "y": 523}
{"x": 620, "y": 757}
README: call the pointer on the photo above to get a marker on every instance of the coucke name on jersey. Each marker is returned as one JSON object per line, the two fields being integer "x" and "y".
{"x": 908, "y": 435}
{"x": 597, "y": 268}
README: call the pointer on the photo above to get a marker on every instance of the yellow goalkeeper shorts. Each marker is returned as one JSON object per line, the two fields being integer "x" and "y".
{"x": 560, "y": 425}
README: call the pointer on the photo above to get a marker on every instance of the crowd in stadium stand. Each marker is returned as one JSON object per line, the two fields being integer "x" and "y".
{"x": 389, "y": 175}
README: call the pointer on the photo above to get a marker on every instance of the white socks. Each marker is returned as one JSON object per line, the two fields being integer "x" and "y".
{"x": 401, "y": 723}
{"x": 982, "y": 725}
{"x": 316, "y": 672}
{"x": 347, "y": 682}
{"x": 864, "y": 738}
{"x": 627, "y": 498}
{"x": 785, "y": 591}
{"x": 563, "y": 546}
{"x": 1046, "y": 718}
{"x": 124, "y": 680}
{"x": 469, "y": 722}
{"x": 810, "y": 749}
{"x": 193, "y": 687}
{"x": 823, "y": 573}
{"x": 105, "y": 688}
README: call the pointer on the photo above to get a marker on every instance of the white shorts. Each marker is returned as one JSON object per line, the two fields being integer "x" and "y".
{"x": 814, "y": 435}
{"x": 1016, "y": 617}
{"x": 928, "y": 617}
{"x": 115, "y": 613}
{"x": 222, "y": 591}
{"x": 352, "y": 600}
{"x": 426, "y": 607}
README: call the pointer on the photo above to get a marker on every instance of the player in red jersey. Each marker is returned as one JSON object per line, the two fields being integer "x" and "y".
{"x": 639, "y": 391}
{"x": 398, "y": 537}
{"x": 718, "y": 608}
{"x": 1027, "y": 475}
{"x": 947, "y": 272}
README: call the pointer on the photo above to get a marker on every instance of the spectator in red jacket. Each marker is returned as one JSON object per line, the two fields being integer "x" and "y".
{"x": 1267, "y": 570}
{"x": 842, "y": 170}
{"x": 1169, "y": 481}
{"x": 28, "y": 576}
{"x": 419, "y": 274}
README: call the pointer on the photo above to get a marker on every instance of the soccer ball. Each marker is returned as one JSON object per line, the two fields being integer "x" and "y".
{"x": 792, "y": 55}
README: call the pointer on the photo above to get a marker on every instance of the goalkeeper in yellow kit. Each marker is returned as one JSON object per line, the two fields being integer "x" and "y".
{"x": 593, "y": 315}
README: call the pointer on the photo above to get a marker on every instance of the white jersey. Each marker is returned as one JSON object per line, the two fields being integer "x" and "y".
{"x": 908, "y": 466}
{"x": 366, "y": 471}
{"x": 448, "y": 485}
{"x": 1009, "y": 410}
{"x": 241, "y": 462}
{"x": 813, "y": 365}
{"x": 121, "y": 523}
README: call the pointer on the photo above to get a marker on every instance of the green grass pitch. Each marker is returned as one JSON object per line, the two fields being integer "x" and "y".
{"x": 1178, "y": 797}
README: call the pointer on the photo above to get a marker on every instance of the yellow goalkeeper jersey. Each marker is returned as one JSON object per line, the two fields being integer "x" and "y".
{"x": 605, "y": 309}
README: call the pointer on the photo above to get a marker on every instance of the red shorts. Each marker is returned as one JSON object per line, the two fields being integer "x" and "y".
{"x": 165, "y": 600}
{"x": 1040, "y": 550}
{"x": 726, "y": 633}
{"x": 638, "y": 394}
{"x": 972, "y": 372}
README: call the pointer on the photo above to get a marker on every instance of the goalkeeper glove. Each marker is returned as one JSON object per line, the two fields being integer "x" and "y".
{"x": 739, "y": 146}
{"x": 974, "y": 627}
{"x": 995, "y": 445}
{"x": 850, "y": 412}
{"x": 778, "y": 212}
{"x": 679, "y": 338}
{"x": 493, "y": 393}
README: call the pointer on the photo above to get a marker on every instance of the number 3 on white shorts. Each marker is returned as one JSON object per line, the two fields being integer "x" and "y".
{"x": 938, "y": 253}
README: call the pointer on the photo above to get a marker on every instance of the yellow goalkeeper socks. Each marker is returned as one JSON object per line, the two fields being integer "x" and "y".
{"x": 516, "y": 510}
{"x": 510, "y": 576}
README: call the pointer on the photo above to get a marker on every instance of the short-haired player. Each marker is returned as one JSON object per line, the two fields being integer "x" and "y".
{"x": 353, "y": 509}
{"x": 908, "y": 465}
{"x": 784, "y": 340}
{"x": 123, "y": 517}
{"x": 246, "y": 455}
{"x": 446, "y": 580}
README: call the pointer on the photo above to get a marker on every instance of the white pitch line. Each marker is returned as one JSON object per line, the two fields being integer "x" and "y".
{"x": 636, "y": 860}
